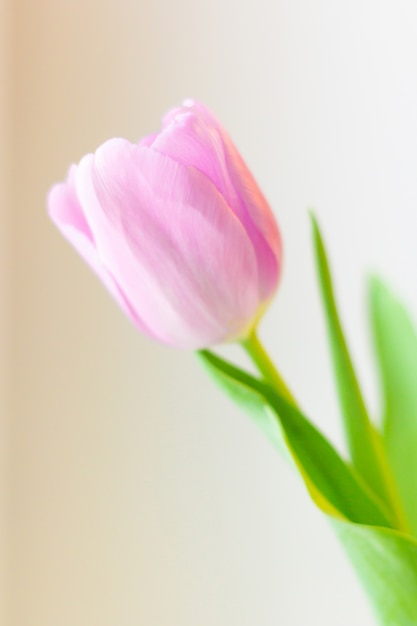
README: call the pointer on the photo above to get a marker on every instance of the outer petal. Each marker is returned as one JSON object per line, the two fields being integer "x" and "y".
{"x": 67, "y": 214}
{"x": 190, "y": 141}
{"x": 192, "y": 135}
{"x": 172, "y": 243}
{"x": 148, "y": 140}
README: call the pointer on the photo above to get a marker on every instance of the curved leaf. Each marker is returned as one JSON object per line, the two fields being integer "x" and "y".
{"x": 386, "y": 560}
{"x": 333, "y": 485}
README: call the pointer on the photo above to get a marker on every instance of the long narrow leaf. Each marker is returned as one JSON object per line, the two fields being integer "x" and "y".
{"x": 395, "y": 341}
{"x": 361, "y": 437}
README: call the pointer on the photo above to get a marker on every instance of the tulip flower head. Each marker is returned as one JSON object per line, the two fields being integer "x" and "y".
{"x": 176, "y": 228}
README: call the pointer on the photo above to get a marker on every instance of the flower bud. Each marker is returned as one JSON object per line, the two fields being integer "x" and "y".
{"x": 176, "y": 228}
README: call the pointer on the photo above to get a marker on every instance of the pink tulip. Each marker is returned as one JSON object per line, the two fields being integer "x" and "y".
{"x": 176, "y": 228}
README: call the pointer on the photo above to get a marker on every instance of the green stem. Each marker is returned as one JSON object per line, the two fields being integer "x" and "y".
{"x": 263, "y": 362}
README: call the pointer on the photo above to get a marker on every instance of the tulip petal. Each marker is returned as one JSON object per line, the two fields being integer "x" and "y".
{"x": 242, "y": 178}
{"x": 192, "y": 135}
{"x": 67, "y": 214}
{"x": 174, "y": 246}
{"x": 148, "y": 140}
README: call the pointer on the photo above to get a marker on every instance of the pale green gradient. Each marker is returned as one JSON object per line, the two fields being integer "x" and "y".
{"x": 5, "y": 188}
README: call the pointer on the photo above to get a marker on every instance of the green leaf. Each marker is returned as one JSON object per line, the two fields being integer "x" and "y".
{"x": 395, "y": 343}
{"x": 332, "y": 484}
{"x": 386, "y": 563}
{"x": 386, "y": 560}
{"x": 363, "y": 443}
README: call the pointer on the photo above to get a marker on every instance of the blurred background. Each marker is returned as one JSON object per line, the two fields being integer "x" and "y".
{"x": 132, "y": 491}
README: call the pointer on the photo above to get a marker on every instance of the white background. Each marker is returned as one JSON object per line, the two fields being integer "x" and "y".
{"x": 136, "y": 494}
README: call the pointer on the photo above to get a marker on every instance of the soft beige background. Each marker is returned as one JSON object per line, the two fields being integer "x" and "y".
{"x": 5, "y": 187}
{"x": 136, "y": 493}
